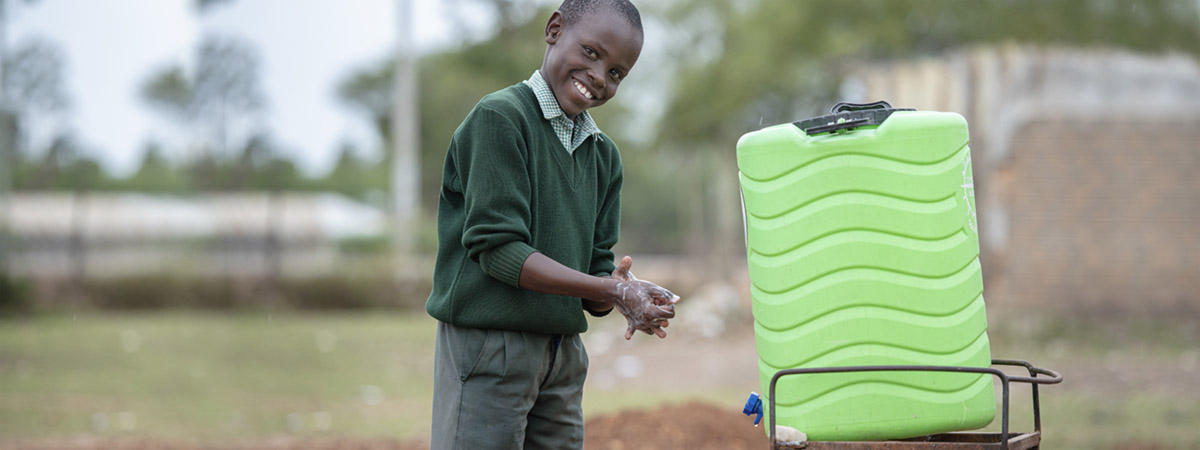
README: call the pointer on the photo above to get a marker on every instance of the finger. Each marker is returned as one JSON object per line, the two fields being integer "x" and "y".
{"x": 629, "y": 333}
{"x": 664, "y": 312}
{"x": 661, "y": 333}
{"x": 654, "y": 330}
{"x": 669, "y": 297}
{"x": 663, "y": 297}
{"x": 622, "y": 270}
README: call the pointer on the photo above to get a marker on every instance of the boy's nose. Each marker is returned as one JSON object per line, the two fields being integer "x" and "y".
{"x": 597, "y": 81}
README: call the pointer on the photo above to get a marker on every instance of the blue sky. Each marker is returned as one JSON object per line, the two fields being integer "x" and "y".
{"x": 306, "y": 46}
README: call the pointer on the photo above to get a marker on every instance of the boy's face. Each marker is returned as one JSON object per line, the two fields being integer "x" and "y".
{"x": 586, "y": 61}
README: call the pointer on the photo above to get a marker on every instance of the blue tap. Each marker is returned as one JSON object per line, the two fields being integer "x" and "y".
{"x": 754, "y": 408}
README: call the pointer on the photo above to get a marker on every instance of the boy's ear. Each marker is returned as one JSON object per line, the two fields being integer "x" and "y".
{"x": 554, "y": 27}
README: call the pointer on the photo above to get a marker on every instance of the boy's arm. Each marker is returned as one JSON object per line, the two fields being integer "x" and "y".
{"x": 645, "y": 305}
{"x": 608, "y": 221}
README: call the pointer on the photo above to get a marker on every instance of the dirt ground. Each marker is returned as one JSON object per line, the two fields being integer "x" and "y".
{"x": 687, "y": 426}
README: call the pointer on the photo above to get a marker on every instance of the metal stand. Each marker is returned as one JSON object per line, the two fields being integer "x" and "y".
{"x": 999, "y": 441}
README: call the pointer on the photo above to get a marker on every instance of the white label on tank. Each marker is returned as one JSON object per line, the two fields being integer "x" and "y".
{"x": 968, "y": 185}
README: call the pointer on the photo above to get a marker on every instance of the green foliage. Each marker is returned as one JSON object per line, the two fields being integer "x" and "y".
{"x": 14, "y": 296}
{"x": 452, "y": 82}
{"x": 365, "y": 245}
{"x": 153, "y": 292}
{"x": 33, "y": 77}
{"x": 34, "y": 96}
{"x": 65, "y": 165}
{"x": 204, "y": 6}
{"x": 354, "y": 176}
{"x": 653, "y": 204}
{"x": 220, "y": 96}
{"x": 156, "y": 174}
{"x": 370, "y": 92}
{"x": 170, "y": 92}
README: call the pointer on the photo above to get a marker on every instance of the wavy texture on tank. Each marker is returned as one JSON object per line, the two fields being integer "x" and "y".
{"x": 861, "y": 252}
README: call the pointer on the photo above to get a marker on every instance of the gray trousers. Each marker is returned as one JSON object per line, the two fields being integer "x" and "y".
{"x": 496, "y": 389}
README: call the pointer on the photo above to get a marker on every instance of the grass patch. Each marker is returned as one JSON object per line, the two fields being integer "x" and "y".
{"x": 207, "y": 376}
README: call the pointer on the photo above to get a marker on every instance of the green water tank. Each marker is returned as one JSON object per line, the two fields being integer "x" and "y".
{"x": 863, "y": 250}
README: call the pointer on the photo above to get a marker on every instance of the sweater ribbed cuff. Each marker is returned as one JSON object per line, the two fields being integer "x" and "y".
{"x": 595, "y": 313}
{"x": 504, "y": 262}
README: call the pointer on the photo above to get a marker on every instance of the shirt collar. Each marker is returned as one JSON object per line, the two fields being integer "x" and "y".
{"x": 550, "y": 108}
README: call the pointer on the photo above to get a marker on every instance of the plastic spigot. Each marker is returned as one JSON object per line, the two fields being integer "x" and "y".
{"x": 754, "y": 408}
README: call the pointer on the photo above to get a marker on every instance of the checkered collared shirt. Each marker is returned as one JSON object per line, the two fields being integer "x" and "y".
{"x": 570, "y": 133}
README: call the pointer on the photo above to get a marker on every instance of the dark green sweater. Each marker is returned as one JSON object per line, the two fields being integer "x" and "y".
{"x": 510, "y": 189}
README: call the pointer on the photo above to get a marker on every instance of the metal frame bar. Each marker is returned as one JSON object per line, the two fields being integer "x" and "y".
{"x": 1005, "y": 378}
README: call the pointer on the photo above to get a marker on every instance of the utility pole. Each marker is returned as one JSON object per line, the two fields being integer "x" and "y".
{"x": 406, "y": 174}
{"x": 7, "y": 143}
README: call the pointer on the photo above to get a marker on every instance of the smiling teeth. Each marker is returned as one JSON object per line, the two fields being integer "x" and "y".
{"x": 583, "y": 90}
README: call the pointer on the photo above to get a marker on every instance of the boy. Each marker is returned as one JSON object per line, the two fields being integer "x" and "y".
{"x": 527, "y": 218}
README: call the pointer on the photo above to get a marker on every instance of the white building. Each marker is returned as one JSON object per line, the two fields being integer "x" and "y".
{"x": 235, "y": 234}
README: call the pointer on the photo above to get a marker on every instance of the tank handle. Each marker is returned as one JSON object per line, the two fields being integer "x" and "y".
{"x": 847, "y": 106}
{"x": 848, "y": 116}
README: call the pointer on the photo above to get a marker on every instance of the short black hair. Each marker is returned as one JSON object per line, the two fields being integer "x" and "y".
{"x": 574, "y": 10}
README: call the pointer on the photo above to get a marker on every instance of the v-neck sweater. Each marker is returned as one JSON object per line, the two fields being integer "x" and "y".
{"x": 508, "y": 190}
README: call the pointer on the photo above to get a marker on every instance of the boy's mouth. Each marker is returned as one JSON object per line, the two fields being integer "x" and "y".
{"x": 583, "y": 90}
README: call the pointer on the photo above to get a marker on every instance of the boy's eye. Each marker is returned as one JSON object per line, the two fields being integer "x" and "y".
{"x": 590, "y": 52}
{"x": 616, "y": 74}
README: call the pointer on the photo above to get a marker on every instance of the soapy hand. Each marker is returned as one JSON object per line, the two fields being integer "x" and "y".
{"x": 645, "y": 305}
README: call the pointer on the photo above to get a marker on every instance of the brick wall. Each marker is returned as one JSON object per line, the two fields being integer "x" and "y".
{"x": 1103, "y": 213}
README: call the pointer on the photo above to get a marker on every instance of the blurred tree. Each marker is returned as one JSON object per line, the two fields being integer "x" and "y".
{"x": 155, "y": 174}
{"x": 170, "y": 91}
{"x": 9, "y": 128}
{"x": 452, "y": 82}
{"x": 79, "y": 171}
{"x": 354, "y": 176}
{"x": 221, "y": 96}
{"x": 65, "y": 165}
{"x": 369, "y": 91}
{"x": 225, "y": 88}
{"x": 204, "y": 6}
{"x": 34, "y": 92}
{"x": 263, "y": 166}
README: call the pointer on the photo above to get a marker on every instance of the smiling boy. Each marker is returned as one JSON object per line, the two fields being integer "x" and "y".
{"x": 528, "y": 215}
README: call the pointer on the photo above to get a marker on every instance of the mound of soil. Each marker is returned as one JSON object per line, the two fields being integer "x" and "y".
{"x": 687, "y": 426}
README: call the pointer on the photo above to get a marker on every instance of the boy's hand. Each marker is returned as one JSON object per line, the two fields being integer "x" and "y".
{"x": 645, "y": 305}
